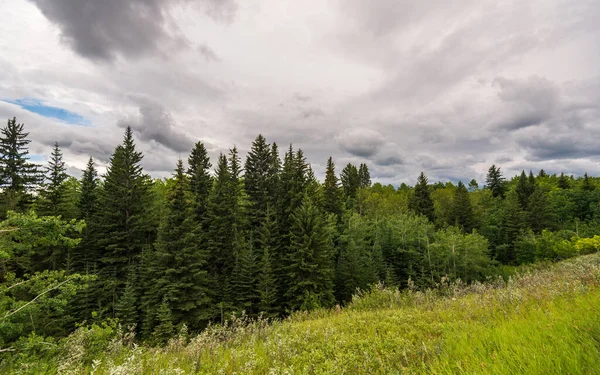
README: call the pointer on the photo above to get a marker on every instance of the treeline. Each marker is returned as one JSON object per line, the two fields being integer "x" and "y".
{"x": 261, "y": 235}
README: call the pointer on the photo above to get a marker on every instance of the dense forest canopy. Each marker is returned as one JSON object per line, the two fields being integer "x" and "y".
{"x": 260, "y": 235}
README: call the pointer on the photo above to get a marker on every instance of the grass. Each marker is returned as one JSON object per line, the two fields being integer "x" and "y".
{"x": 544, "y": 321}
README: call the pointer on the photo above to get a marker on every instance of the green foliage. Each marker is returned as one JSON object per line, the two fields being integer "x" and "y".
{"x": 18, "y": 177}
{"x": 495, "y": 182}
{"x": 421, "y": 202}
{"x": 53, "y": 195}
{"x": 332, "y": 202}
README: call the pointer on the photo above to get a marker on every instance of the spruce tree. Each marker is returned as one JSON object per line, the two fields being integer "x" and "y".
{"x": 310, "y": 269}
{"x": 17, "y": 175}
{"x": 266, "y": 283}
{"x": 165, "y": 328}
{"x": 364, "y": 177}
{"x": 462, "y": 210}
{"x": 473, "y": 185}
{"x": 513, "y": 220}
{"x": 495, "y": 182}
{"x": 126, "y": 307}
{"x": 538, "y": 211}
{"x": 181, "y": 263}
{"x": 421, "y": 202}
{"x": 351, "y": 181}
{"x": 243, "y": 280}
{"x": 200, "y": 180}
{"x": 124, "y": 225}
{"x": 88, "y": 200}
{"x": 258, "y": 179}
{"x": 86, "y": 253}
{"x": 332, "y": 202}
{"x": 523, "y": 190}
{"x": 563, "y": 182}
{"x": 53, "y": 194}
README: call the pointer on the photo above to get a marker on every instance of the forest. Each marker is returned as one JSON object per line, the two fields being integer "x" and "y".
{"x": 260, "y": 237}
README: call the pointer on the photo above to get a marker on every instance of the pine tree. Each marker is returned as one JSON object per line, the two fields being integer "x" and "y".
{"x": 563, "y": 181}
{"x": 200, "y": 179}
{"x": 181, "y": 263}
{"x": 53, "y": 194}
{"x": 364, "y": 177}
{"x": 421, "y": 202}
{"x": 310, "y": 269}
{"x": 495, "y": 182}
{"x": 124, "y": 226}
{"x": 17, "y": 175}
{"x": 88, "y": 200}
{"x": 587, "y": 184}
{"x": 542, "y": 173}
{"x": 462, "y": 210}
{"x": 332, "y": 202}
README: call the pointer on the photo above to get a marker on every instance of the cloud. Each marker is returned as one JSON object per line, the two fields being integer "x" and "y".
{"x": 155, "y": 123}
{"x": 361, "y": 142}
{"x": 208, "y": 53}
{"x": 109, "y": 28}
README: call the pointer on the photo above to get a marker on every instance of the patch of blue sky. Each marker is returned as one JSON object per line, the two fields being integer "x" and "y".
{"x": 38, "y": 106}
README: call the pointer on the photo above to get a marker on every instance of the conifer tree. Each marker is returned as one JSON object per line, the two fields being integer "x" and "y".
{"x": 495, "y": 182}
{"x": 310, "y": 269}
{"x": 17, "y": 175}
{"x": 88, "y": 200}
{"x": 473, "y": 185}
{"x": 53, "y": 194}
{"x": 124, "y": 225}
{"x": 243, "y": 280}
{"x": 126, "y": 307}
{"x": 165, "y": 328}
{"x": 266, "y": 283}
{"x": 542, "y": 173}
{"x": 332, "y": 202}
{"x": 200, "y": 180}
{"x": 538, "y": 212}
{"x": 513, "y": 220}
{"x": 462, "y": 210}
{"x": 86, "y": 255}
{"x": 350, "y": 181}
{"x": 364, "y": 177}
{"x": 563, "y": 182}
{"x": 181, "y": 263}
{"x": 258, "y": 179}
{"x": 421, "y": 202}
{"x": 523, "y": 190}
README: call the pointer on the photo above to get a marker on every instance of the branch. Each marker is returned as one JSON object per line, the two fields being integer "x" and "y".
{"x": 7, "y": 350}
{"x": 9, "y": 230}
{"x": 33, "y": 300}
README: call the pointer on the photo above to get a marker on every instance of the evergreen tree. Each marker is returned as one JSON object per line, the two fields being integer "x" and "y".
{"x": 421, "y": 202}
{"x": 17, "y": 175}
{"x": 53, "y": 194}
{"x": 542, "y": 173}
{"x": 495, "y": 182}
{"x": 181, "y": 264}
{"x": 364, "y": 177}
{"x": 243, "y": 280}
{"x": 563, "y": 181}
{"x": 124, "y": 226}
{"x": 350, "y": 181}
{"x": 126, "y": 308}
{"x": 513, "y": 220}
{"x": 88, "y": 200}
{"x": 200, "y": 180}
{"x": 86, "y": 254}
{"x": 165, "y": 328}
{"x": 331, "y": 191}
{"x": 462, "y": 210}
{"x": 266, "y": 281}
{"x": 587, "y": 184}
{"x": 524, "y": 190}
{"x": 538, "y": 212}
{"x": 258, "y": 179}
{"x": 310, "y": 269}
{"x": 473, "y": 185}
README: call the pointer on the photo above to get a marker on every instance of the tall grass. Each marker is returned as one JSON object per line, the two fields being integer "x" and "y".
{"x": 543, "y": 321}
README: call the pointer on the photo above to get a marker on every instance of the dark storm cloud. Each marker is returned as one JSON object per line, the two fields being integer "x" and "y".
{"x": 155, "y": 123}
{"x": 104, "y": 29}
{"x": 560, "y": 147}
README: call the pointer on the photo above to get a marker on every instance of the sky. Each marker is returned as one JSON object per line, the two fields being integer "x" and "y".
{"x": 441, "y": 86}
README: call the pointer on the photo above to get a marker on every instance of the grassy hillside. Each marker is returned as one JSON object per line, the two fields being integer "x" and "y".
{"x": 544, "y": 321}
